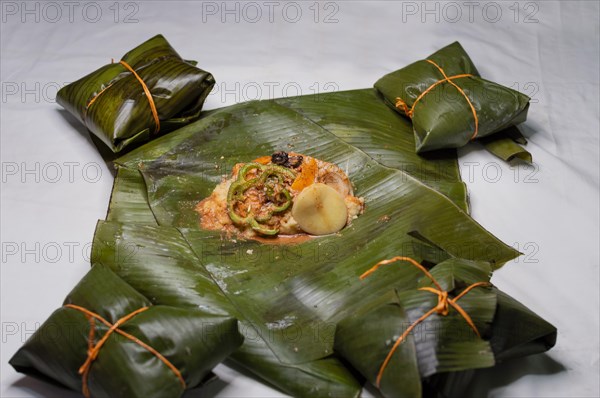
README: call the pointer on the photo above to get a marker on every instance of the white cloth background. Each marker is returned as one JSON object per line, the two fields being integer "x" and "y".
{"x": 55, "y": 184}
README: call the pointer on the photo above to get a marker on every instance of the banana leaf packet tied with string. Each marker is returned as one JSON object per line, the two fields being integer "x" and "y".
{"x": 150, "y": 91}
{"x": 450, "y": 104}
{"x": 431, "y": 341}
{"x": 108, "y": 340}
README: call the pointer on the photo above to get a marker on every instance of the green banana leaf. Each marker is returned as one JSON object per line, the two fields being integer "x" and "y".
{"x": 120, "y": 113}
{"x": 269, "y": 291}
{"x": 443, "y": 118}
{"x": 192, "y": 340}
{"x": 516, "y": 332}
{"x": 365, "y": 338}
{"x": 129, "y": 200}
{"x": 512, "y": 323}
{"x": 158, "y": 263}
{"x": 505, "y": 145}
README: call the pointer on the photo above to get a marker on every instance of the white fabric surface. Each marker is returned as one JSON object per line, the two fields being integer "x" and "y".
{"x": 55, "y": 184}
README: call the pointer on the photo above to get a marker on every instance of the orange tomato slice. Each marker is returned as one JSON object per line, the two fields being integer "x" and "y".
{"x": 307, "y": 175}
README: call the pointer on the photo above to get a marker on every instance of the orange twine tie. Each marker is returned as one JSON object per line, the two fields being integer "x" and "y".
{"x": 146, "y": 91}
{"x": 401, "y": 104}
{"x": 93, "y": 350}
{"x": 442, "y": 307}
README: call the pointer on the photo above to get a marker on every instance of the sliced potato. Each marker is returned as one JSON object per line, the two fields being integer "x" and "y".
{"x": 320, "y": 210}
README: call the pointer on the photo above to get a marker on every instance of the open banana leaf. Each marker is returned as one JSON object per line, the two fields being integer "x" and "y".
{"x": 450, "y": 104}
{"x": 305, "y": 290}
{"x": 188, "y": 343}
{"x": 514, "y": 326}
{"x": 326, "y": 376}
{"x": 113, "y": 103}
{"x": 188, "y": 172}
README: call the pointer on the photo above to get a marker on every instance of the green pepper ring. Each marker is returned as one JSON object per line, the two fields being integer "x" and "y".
{"x": 241, "y": 185}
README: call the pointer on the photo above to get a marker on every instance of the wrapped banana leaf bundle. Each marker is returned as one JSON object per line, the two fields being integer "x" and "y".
{"x": 312, "y": 326}
{"x": 108, "y": 340}
{"x": 413, "y": 342}
{"x": 150, "y": 91}
{"x": 450, "y": 105}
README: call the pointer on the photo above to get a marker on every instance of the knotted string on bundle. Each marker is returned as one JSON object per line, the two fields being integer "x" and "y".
{"x": 442, "y": 307}
{"x": 401, "y": 104}
{"x": 94, "y": 349}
